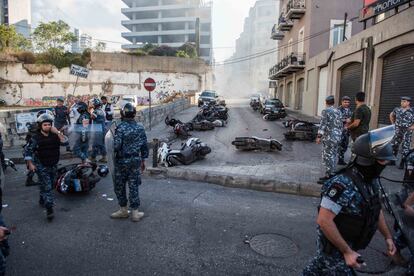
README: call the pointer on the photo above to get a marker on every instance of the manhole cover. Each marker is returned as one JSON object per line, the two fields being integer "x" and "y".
{"x": 273, "y": 245}
{"x": 377, "y": 262}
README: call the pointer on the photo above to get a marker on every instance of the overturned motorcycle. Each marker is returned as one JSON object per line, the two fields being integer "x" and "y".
{"x": 180, "y": 129}
{"x": 301, "y": 130}
{"x": 79, "y": 178}
{"x": 191, "y": 151}
{"x": 256, "y": 143}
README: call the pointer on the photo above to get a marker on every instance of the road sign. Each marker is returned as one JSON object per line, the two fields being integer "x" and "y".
{"x": 79, "y": 71}
{"x": 150, "y": 84}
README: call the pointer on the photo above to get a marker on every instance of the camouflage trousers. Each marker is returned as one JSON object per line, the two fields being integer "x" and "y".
{"x": 401, "y": 243}
{"x": 128, "y": 173}
{"x": 402, "y": 137}
{"x": 329, "y": 156}
{"x": 81, "y": 150}
{"x": 326, "y": 265}
{"x": 343, "y": 145}
{"x": 47, "y": 176}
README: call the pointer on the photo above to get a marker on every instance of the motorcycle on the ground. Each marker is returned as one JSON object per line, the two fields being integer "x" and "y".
{"x": 180, "y": 129}
{"x": 192, "y": 150}
{"x": 256, "y": 143}
{"x": 301, "y": 130}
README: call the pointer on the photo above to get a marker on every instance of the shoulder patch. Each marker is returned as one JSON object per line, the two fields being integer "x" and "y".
{"x": 335, "y": 191}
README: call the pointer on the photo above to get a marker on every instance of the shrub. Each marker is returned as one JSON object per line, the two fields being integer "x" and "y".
{"x": 163, "y": 50}
{"x": 25, "y": 57}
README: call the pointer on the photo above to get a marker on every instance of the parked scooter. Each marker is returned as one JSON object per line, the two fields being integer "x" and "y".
{"x": 301, "y": 130}
{"x": 191, "y": 151}
{"x": 256, "y": 143}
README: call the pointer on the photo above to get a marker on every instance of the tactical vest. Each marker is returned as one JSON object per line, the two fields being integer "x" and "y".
{"x": 48, "y": 149}
{"x": 109, "y": 117}
{"x": 358, "y": 230}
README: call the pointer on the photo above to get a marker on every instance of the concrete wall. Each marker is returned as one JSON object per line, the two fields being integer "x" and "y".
{"x": 40, "y": 85}
{"x": 388, "y": 35}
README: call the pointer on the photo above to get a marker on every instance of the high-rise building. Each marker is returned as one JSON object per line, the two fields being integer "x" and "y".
{"x": 168, "y": 22}
{"x": 17, "y": 13}
{"x": 83, "y": 41}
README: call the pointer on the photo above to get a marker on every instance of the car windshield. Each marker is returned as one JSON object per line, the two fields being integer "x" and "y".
{"x": 130, "y": 100}
{"x": 274, "y": 102}
{"x": 208, "y": 94}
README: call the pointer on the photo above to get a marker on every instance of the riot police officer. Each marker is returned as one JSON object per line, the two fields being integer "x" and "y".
{"x": 350, "y": 208}
{"x": 346, "y": 118}
{"x": 329, "y": 133}
{"x": 42, "y": 155}
{"x": 130, "y": 150}
{"x": 109, "y": 111}
{"x": 403, "y": 118}
{"x": 98, "y": 124}
{"x": 80, "y": 133}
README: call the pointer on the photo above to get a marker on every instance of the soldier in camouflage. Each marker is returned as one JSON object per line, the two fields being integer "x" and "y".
{"x": 98, "y": 123}
{"x": 350, "y": 209}
{"x": 130, "y": 147}
{"x": 346, "y": 118}
{"x": 329, "y": 133}
{"x": 403, "y": 118}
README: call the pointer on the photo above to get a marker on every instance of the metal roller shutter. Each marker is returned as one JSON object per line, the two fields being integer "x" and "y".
{"x": 397, "y": 81}
{"x": 351, "y": 77}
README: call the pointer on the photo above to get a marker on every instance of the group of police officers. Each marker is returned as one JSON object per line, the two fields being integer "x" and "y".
{"x": 350, "y": 212}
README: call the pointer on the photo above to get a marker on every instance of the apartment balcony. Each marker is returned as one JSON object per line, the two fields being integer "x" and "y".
{"x": 292, "y": 63}
{"x": 276, "y": 35}
{"x": 295, "y": 9}
{"x": 285, "y": 25}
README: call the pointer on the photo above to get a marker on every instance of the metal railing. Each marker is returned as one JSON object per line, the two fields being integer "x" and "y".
{"x": 293, "y": 59}
{"x": 295, "y": 4}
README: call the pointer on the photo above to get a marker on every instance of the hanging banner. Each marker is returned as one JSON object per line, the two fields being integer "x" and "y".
{"x": 375, "y": 7}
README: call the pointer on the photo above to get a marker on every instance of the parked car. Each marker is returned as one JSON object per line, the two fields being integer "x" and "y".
{"x": 274, "y": 108}
{"x": 208, "y": 96}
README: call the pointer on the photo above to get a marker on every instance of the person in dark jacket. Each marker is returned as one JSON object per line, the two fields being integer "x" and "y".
{"x": 62, "y": 119}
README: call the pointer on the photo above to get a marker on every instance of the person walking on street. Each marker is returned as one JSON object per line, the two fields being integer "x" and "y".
{"x": 350, "y": 208}
{"x": 81, "y": 133}
{"x": 403, "y": 119}
{"x": 109, "y": 111}
{"x": 329, "y": 133}
{"x": 346, "y": 118}
{"x": 360, "y": 118}
{"x": 130, "y": 150}
{"x": 98, "y": 124}
{"x": 62, "y": 118}
{"x": 42, "y": 155}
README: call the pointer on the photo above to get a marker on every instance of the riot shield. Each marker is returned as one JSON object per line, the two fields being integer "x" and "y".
{"x": 110, "y": 154}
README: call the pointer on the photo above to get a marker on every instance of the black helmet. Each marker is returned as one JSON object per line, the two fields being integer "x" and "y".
{"x": 45, "y": 118}
{"x": 82, "y": 107}
{"x": 128, "y": 111}
{"x": 102, "y": 170}
{"x": 96, "y": 102}
{"x": 44, "y": 111}
{"x": 374, "y": 145}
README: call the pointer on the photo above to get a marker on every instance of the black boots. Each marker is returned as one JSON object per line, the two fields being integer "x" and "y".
{"x": 49, "y": 213}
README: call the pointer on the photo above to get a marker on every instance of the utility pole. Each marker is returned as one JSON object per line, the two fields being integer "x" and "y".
{"x": 344, "y": 34}
{"x": 197, "y": 35}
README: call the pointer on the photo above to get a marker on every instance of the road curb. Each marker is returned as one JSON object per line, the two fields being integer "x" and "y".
{"x": 239, "y": 181}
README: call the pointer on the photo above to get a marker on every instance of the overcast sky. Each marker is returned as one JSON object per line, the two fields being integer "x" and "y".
{"x": 102, "y": 20}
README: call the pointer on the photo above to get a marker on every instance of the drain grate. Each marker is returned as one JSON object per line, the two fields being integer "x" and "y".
{"x": 377, "y": 262}
{"x": 273, "y": 245}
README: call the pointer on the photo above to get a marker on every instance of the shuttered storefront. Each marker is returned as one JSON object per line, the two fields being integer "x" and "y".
{"x": 397, "y": 81}
{"x": 351, "y": 78}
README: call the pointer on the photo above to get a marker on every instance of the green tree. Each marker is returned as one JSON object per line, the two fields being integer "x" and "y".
{"x": 10, "y": 39}
{"x": 100, "y": 46}
{"x": 53, "y": 37}
{"x": 182, "y": 54}
{"x": 190, "y": 49}
{"x": 163, "y": 50}
{"x": 148, "y": 47}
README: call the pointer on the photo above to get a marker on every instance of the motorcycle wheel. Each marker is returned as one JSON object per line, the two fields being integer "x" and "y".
{"x": 275, "y": 146}
{"x": 290, "y": 136}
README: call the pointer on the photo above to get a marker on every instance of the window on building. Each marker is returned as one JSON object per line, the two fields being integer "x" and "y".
{"x": 337, "y": 32}
{"x": 290, "y": 46}
{"x": 205, "y": 27}
{"x": 173, "y": 26}
{"x": 204, "y": 52}
{"x": 173, "y": 39}
{"x": 205, "y": 39}
{"x": 301, "y": 40}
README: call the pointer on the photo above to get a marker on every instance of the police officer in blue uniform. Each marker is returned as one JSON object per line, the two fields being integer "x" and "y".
{"x": 346, "y": 113}
{"x": 81, "y": 133}
{"x": 131, "y": 150}
{"x": 42, "y": 155}
{"x": 98, "y": 124}
{"x": 403, "y": 118}
{"x": 109, "y": 111}
{"x": 350, "y": 208}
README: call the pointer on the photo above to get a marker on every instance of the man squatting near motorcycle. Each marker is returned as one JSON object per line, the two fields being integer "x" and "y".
{"x": 330, "y": 134}
{"x": 130, "y": 150}
{"x": 42, "y": 155}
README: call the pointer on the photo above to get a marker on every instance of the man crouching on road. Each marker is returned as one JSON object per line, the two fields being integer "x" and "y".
{"x": 42, "y": 155}
{"x": 350, "y": 210}
{"x": 130, "y": 148}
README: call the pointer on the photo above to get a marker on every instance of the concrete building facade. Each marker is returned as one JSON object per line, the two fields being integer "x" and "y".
{"x": 378, "y": 61}
{"x": 255, "y": 39}
{"x": 83, "y": 41}
{"x": 168, "y": 22}
{"x": 18, "y": 14}
{"x": 306, "y": 28}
